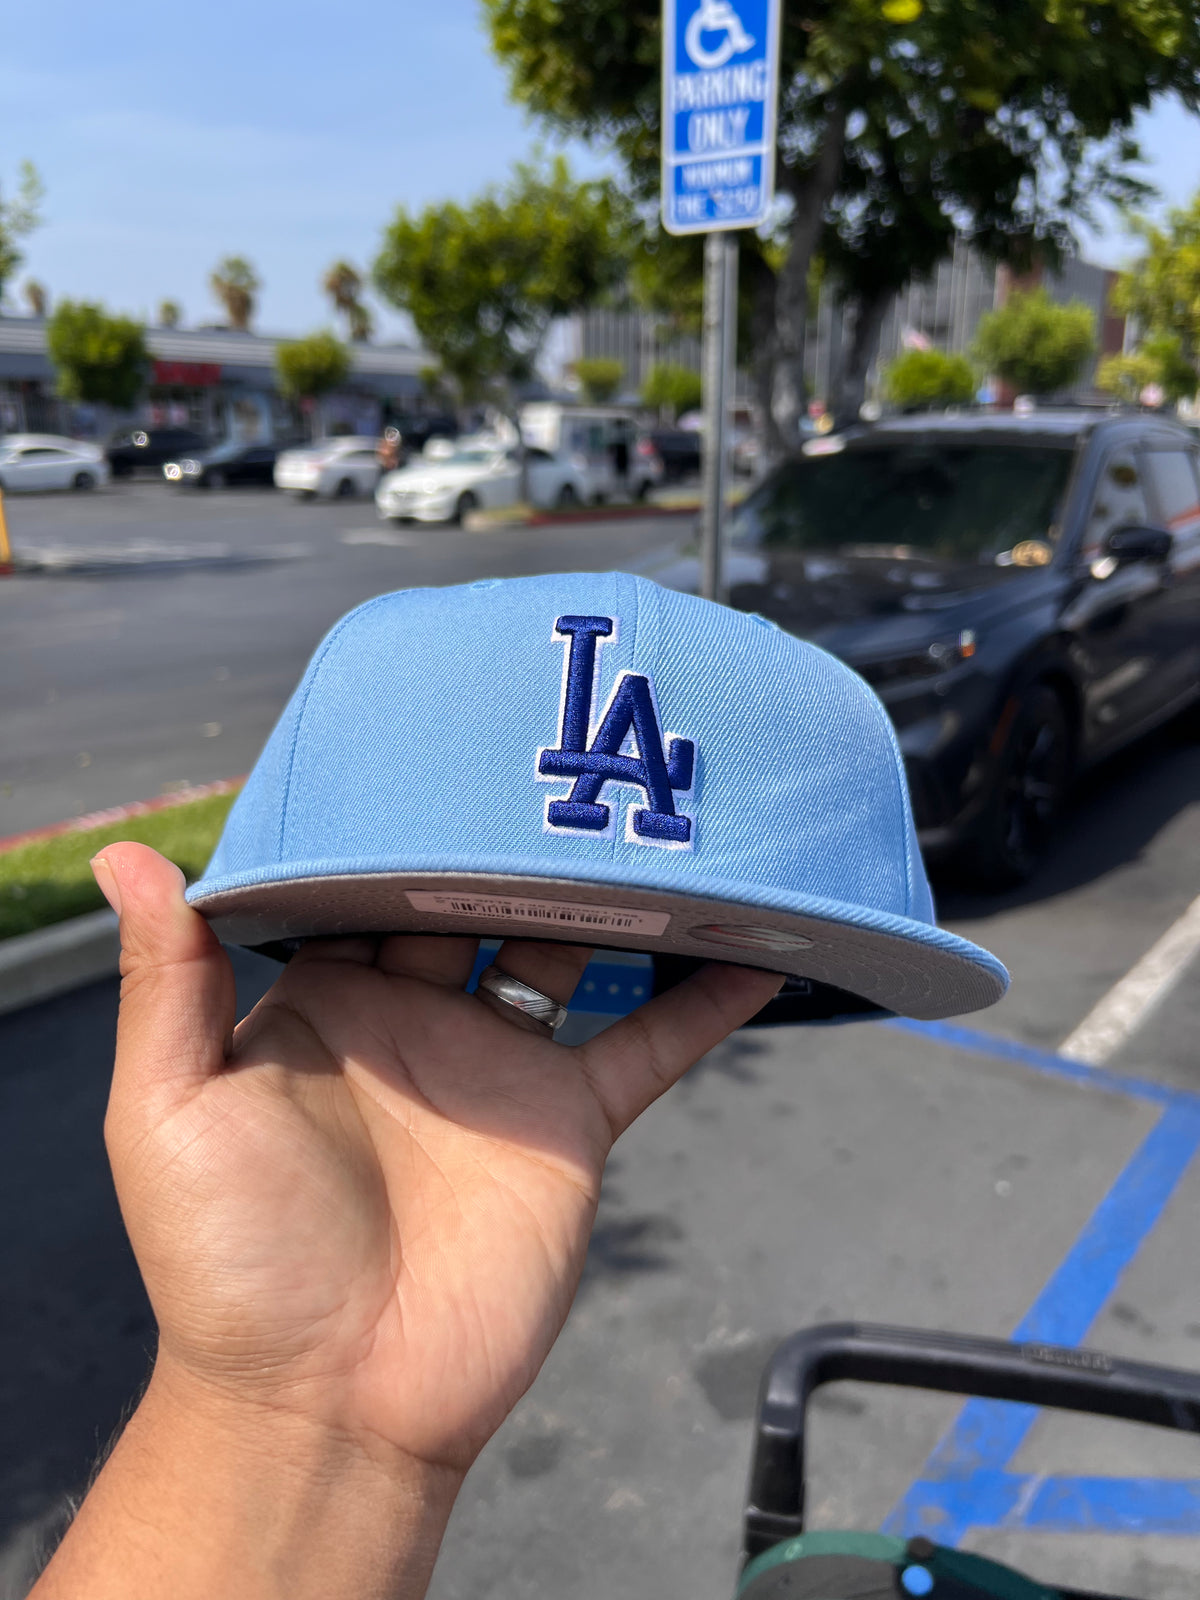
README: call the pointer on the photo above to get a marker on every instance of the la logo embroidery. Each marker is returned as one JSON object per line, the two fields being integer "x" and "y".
{"x": 627, "y": 747}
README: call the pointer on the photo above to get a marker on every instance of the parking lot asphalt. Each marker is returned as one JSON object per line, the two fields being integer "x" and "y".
{"x": 161, "y": 642}
{"x": 963, "y": 1177}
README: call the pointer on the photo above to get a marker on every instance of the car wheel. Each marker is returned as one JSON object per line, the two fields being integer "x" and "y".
{"x": 345, "y": 489}
{"x": 466, "y": 504}
{"x": 83, "y": 480}
{"x": 214, "y": 479}
{"x": 1029, "y": 787}
{"x": 567, "y": 498}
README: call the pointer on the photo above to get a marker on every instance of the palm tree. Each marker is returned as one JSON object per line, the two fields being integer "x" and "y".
{"x": 170, "y": 314}
{"x": 235, "y": 283}
{"x": 343, "y": 284}
{"x": 35, "y": 297}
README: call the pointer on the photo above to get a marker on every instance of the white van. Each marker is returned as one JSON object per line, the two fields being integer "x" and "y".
{"x": 616, "y": 456}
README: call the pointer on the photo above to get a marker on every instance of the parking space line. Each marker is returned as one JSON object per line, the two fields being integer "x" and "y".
{"x": 963, "y": 1484}
{"x": 1127, "y": 1004}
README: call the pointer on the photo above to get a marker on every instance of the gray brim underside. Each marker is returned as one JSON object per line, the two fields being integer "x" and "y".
{"x": 897, "y": 973}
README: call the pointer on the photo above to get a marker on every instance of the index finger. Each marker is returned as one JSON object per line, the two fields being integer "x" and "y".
{"x": 631, "y": 1064}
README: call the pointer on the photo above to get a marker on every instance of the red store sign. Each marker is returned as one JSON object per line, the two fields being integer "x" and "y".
{"x": 186, "y": 374}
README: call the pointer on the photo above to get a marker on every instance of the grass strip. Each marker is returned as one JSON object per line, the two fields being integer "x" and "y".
{"x": 49, "y": 880}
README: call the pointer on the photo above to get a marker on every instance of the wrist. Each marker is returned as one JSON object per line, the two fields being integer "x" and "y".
{"x": 206, "y": 1493}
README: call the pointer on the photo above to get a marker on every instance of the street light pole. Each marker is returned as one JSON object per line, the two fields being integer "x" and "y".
{"x": 720, "y": 365}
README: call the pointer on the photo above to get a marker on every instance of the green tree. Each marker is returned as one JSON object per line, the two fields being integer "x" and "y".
{"x": 672, "y": 389}
{"x": 170, "y": 314}
{"x": 1004, "y": 120}
{"x": 344, "y": 286}
{"x": 100, "y": 359}
{"x": 1161, "y": 290}
{"x": 35, "y": 297}
{"x": 1158, "y": 362}
{"x": 308, "y": 368}
{"x": 18, "y": 217}
{"x": 600, "y": 377}
{"x": 1034, "y": 344}
{"x": 482, "y": 282}
{"x": 235, "y": 284}
{"x": 928, "y": 378}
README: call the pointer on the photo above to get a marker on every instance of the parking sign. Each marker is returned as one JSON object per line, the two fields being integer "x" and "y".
{"x": 720, "y": 86}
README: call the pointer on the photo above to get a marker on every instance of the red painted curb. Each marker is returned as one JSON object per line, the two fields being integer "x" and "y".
{"x": 136, "y": 808}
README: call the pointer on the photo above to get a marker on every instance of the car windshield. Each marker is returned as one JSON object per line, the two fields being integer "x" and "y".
{"x": 966, "y": 501}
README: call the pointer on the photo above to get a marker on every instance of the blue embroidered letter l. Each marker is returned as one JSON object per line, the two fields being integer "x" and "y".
{"x": 632, "y": 711}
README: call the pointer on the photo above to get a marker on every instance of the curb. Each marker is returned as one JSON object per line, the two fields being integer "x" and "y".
{"x": 134, "y": 808}
{"x": 54, "y": 960}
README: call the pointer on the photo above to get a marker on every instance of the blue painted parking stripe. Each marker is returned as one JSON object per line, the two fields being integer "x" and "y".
{"x": 990, "y": 1044}
{"x": 988, "y": 1433}
{"x": 1113, "y": 1505}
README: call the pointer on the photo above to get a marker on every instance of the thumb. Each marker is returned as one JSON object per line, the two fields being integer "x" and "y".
{"x": 178, "y": 1001}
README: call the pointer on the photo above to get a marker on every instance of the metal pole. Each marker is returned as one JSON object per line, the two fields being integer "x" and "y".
{"x": 720, "y": 357}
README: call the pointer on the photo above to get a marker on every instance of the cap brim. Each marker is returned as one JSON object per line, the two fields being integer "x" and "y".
{"x": 903, "y": 966}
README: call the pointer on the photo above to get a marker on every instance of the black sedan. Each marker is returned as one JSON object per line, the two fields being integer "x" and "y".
{"x": 151, "y": 447}
{"x": 1023, "y": 594}
{"x": 232, "y": 463}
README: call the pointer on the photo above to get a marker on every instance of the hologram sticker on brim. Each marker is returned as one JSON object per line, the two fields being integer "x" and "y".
{"x": 557, "y": 913}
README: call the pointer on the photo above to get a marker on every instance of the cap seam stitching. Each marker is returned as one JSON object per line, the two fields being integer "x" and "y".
{"x": 317, "y": 664}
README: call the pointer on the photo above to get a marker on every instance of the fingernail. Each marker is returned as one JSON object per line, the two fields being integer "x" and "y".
{"x": 106, "y": 881}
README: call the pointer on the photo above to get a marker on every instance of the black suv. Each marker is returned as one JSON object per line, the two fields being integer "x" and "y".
{"x": 1022, "y": 592}
{"x": 151, "y": 447}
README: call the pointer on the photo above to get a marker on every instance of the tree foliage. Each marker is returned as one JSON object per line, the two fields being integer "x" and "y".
{"x": 600, "y": 377}
{"x": 18, "y": 217}
{"x": 170, "y": 313}
{"x": 308, "y": 368}
{"x": 1159, "y": 363}
{"x": 235, "y": 284}
{"x": 672, "y": 389}
{"x": 344, "y": 286}
{"x": 928, "y": 378}
{"x": 900, "y": 124}
{"x": 36, "y": 297}
{"x": 483, "y": 281}
{"x": 100, "y": 359}
{"x": 1035, "y": 344}
{"x": 1162, "y": 288}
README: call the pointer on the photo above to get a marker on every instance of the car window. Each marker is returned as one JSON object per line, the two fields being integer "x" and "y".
{"x": 360, "y": 455}
{"x": 42, "y": 452}
{"x": 1173, "y": 487}
{"x": 969, "y": 501}
{"x": 1118, "y": 501}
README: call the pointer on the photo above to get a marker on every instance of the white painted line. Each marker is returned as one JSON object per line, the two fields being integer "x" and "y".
{"x": 1128, "y": 1003}
{"x": 383, "y": 536}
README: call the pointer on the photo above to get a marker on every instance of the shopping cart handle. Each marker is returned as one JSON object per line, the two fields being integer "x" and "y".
{"x": 992, "y": 1369}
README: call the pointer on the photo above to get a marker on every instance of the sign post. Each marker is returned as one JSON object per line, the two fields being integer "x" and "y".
{"x": 720, "y": 88}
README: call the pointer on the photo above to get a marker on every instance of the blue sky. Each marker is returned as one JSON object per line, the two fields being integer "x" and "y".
{"x": 284, "y": 132}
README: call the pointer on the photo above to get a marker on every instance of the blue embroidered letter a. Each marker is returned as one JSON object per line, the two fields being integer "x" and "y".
{"x": 631, "y": 713}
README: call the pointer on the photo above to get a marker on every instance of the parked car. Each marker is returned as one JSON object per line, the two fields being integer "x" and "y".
{"x": 679, "y": 451}
{"x": 31, "y": 461}
{"x": 617, "y": 456}
{"x": 233, "y": 462}
{"x": 476, "y": 474}
{"x": 1023, "y": 593}
{"x": 151, "y": 448}
{"x": 334, "y": 468}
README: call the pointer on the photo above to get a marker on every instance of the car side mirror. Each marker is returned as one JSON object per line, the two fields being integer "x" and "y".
{"x": 1139, "y": 544}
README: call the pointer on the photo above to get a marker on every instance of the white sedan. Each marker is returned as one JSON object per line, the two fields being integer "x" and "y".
{"x": 334, "y": 468}
{"x": 30, "y": 461}
{"x": 477, "y": 474}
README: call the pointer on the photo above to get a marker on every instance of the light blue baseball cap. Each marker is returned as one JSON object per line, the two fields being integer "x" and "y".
{"x": 592, "y": 758}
